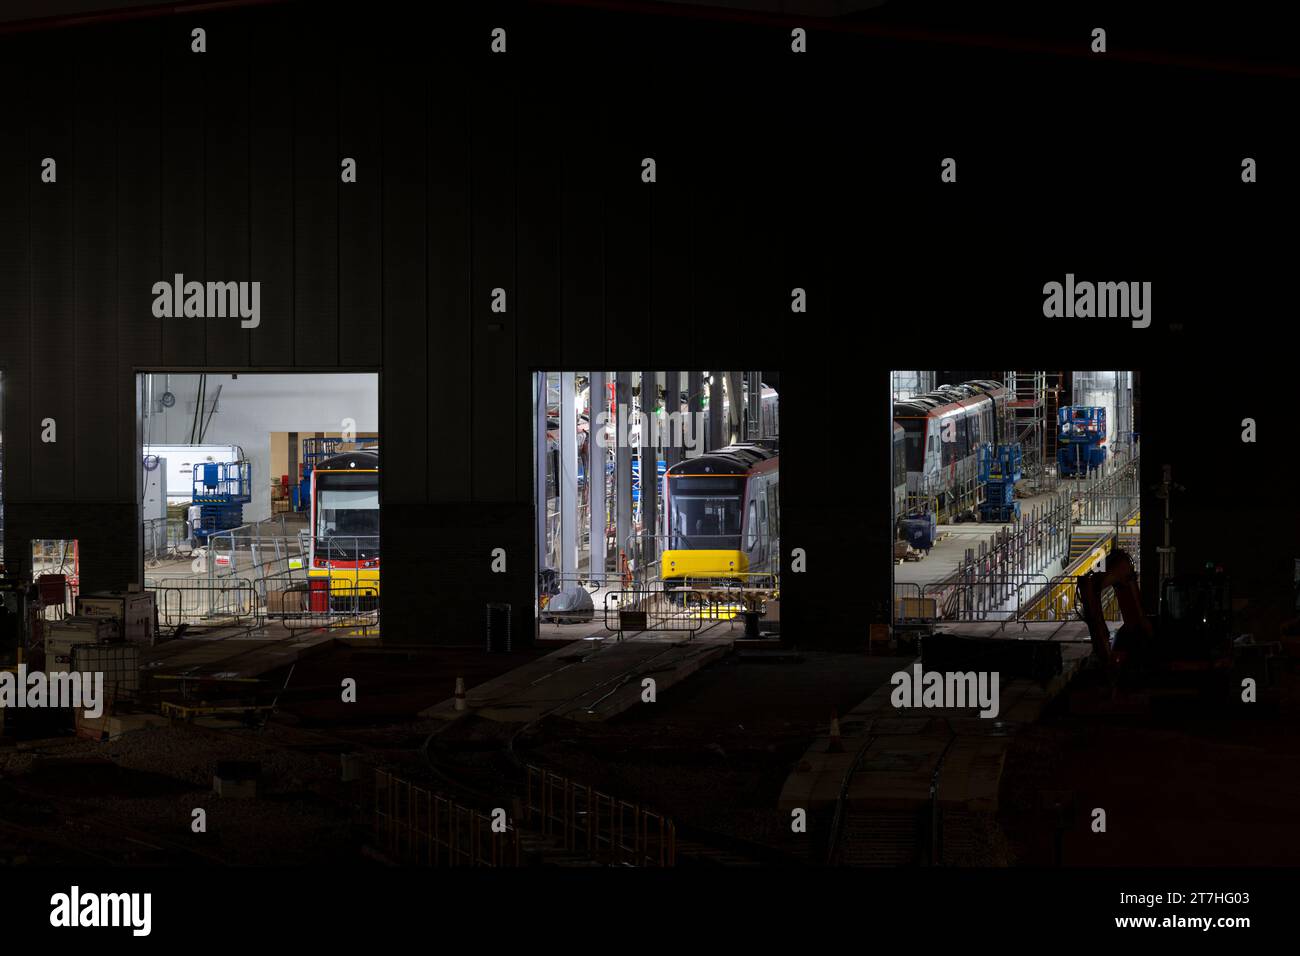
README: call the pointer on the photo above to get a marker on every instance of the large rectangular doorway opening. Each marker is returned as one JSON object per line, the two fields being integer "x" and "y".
{"x": 56, "y": 569}
{"x": 259, "y": 499}
{"x": 1007, "y": 488}
{"x": 657, "y": 502}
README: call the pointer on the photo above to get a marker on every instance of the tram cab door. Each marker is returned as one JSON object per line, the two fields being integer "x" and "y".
{"x": 755, "y": 542}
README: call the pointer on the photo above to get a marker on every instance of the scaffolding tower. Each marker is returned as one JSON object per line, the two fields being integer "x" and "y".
{"x": 1033, "y": 399}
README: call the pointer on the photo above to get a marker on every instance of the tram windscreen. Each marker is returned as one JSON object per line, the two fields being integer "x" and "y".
{"x": 347, "y": 516}
{"x": 704, "y": 521}
{"x": 914, "y": 431}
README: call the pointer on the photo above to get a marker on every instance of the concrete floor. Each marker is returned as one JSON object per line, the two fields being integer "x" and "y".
{"x": 947, "y": 554}
{"x": 926, "y": 735}
{"x": 232, "y": 656}
{"x": 589, "y": 680}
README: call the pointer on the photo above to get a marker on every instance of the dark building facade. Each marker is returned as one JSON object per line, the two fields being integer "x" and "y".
{"x": 475, "y": 171}
{"x": 523, "y": 171}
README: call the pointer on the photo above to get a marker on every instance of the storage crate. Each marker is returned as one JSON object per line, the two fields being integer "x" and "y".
{"x": 119, "y": 663}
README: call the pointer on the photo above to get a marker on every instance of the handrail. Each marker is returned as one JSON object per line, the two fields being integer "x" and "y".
{"x": 993, "y": 575}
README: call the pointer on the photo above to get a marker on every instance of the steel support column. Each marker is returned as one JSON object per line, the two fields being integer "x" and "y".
{"x": 597, "y": 494}
{"x": 649, "y": 466}
{"x": 716, "y": 407}
{"x": 672, "y": 440}
{"x": 623, "y": 461}
{"x": 541, "y": 462}
{"x": 735, "y": 407}
{"x": 568, "y": 477}
{"x": 694, "y": 406}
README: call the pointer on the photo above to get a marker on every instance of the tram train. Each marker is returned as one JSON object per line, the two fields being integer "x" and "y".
{"x": 343, "y": 561}
{"x": 943, "y": 430}
{"x": 722, "y": 515}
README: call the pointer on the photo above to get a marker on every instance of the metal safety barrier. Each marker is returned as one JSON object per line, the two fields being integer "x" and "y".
{"x": 981, "y": 598}
{"x": 994, "y": 580}
{"x": 910, "y": 606}
{"x": 637, "y": 611}
{"x": 230, "y": 602}
{"x": 1109, "y": 495}
{"x": 327, "y": 599}
{"x": 258, "y": 550}
{"x": 603, "y": 827}
{"x": 417, "y": 826}
{"x": 1059, "y": 602}
{"x": 165, "y": 538}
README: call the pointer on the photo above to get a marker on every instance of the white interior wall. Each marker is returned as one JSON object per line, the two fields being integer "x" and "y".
{"x": 256, "y": 404}
{"x": 1103, "y": 388}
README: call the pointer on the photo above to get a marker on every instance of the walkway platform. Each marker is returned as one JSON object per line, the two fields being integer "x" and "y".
{"x": 238, "y": 657}
{"x": 591, "y": 680}
{"x": 903, "y": 746}
{"x": 949, "y": 552}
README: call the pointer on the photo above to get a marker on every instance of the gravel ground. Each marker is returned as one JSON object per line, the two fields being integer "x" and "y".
{"x": 152, "y": 780}
{"x": 73, "y": 799}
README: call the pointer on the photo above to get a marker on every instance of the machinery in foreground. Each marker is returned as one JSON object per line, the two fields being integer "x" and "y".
{"x": 1191, "y": 646}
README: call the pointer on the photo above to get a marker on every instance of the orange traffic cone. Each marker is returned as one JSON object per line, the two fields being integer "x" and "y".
{"x": 460, "y": 693}
{"x": 836, "y": 746}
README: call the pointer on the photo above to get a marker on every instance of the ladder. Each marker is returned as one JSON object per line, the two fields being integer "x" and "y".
{"x": 1033, "y": 396}
{"x": 1053, "y": 384}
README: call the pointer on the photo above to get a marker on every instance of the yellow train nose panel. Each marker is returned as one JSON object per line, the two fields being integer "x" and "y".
{"x": 703, "y": 564}
{"x": 348, "y": 580}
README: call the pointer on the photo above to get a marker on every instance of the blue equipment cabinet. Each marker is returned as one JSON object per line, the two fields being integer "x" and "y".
{"x": 1080, "y": 440}
{"x": 221, "y": 489}
{"x": 1000, "y": 469}
{"x": 920, "y": 530}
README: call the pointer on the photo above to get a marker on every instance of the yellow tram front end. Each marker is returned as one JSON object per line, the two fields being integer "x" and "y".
{"x": 343, "y": 564}
{"x": 716, "y": 517}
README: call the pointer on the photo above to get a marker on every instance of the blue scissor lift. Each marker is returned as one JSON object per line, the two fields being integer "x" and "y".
{"x": 1000, "y": 469}
{"x": 1081, "y": 438}
{"x": 221, "y": 489}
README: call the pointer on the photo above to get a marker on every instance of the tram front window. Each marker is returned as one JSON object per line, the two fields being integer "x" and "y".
{"x": 706, "y": 522}
{"x": 347, "y": 516}
{"x": 914, "y": 432}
